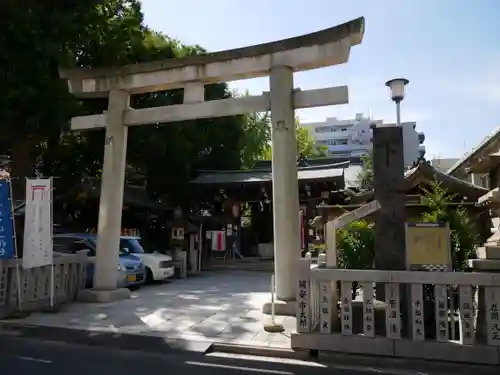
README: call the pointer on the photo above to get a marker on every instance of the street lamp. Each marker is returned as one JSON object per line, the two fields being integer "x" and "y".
{"x": 397, "y": 86}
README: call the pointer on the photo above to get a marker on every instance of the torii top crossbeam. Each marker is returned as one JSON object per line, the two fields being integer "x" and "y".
{"x": 311, "y": 51}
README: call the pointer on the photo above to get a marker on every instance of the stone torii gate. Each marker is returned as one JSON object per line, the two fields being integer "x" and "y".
{"x": 278, "y": 60}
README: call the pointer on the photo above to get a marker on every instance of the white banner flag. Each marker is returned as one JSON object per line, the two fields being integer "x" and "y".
{"x": 37, "y": 246}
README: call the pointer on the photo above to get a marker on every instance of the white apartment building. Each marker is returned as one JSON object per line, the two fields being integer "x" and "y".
{"x": 353, "y": 137}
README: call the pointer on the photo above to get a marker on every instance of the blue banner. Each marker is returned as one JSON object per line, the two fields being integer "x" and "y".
{"x": 6, "y": 222}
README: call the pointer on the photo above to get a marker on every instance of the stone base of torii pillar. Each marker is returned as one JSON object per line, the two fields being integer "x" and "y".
{"x": 285, "y": 308}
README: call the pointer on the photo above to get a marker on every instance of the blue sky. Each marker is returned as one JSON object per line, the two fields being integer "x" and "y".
{"x": 448, "y": 49}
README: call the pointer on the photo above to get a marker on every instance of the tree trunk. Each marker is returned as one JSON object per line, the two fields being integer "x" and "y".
{"x": 21, "y": 153}
{"x": 22, "y": 162}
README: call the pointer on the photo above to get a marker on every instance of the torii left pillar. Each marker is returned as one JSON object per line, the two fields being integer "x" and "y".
{"x": 106, "y": 287}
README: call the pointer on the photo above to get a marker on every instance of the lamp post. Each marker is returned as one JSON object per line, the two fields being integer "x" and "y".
{"x": 397, "y": 87}
{"x": 392, "y": 221}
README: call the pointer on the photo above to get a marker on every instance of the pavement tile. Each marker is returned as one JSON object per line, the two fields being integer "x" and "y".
{"x": 215, "y": 307}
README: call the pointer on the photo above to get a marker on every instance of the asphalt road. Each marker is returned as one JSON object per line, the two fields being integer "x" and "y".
{"x": 22, "y": 356}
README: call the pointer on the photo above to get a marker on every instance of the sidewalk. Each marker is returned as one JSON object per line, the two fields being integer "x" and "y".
{"x": 215, "y": 307}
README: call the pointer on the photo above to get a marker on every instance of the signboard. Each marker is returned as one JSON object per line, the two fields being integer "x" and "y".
{"x": 7, "y": 239}
{"x": 37, "y": 247}
{"x": 428, "y": 246}
{"x": 356, "y": 214}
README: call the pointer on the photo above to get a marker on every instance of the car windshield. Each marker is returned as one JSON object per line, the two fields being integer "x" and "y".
{"x": 131, "y": 246}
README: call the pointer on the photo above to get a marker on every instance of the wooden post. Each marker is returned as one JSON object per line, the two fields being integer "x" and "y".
{"x": 303, "y": 312}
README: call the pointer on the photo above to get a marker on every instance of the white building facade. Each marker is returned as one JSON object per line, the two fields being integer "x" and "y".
{"x": 353, "y": 137}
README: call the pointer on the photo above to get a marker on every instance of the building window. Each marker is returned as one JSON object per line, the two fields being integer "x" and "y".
{"x": 336, "y": 142}
{"x": 324, "y": 129}
{"x": 342, "y": 141}
{"x": 485, "y": 181}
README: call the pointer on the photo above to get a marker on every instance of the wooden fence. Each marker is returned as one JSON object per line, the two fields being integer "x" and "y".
{"x": 34, "y": 294}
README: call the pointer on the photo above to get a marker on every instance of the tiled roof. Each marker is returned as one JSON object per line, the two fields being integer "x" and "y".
{"x": 256, "y": 175}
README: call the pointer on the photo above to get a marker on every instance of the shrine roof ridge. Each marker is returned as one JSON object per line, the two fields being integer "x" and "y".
{"x": 341, "y": 165}
{"x": 353, "y": 29}
{"x": 424, "y": 171}
{"x": 490, "y": 141}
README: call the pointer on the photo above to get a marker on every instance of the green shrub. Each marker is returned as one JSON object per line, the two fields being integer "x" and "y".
{"x": 355, "y": 249}
{"x": 463, "y": 231}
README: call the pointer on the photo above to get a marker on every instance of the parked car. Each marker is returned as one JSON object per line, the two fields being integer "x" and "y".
{"x": 158, "y": 266}
{"x": 132, "y": 272}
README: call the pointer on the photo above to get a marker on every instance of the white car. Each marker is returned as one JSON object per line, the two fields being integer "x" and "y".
{"x": 158, "y": 266}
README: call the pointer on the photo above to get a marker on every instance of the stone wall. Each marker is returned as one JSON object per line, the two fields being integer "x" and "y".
{"x": 33, "y": 286}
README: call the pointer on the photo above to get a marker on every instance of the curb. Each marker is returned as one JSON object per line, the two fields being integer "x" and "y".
{"x": 260, "y": 351}
{"x": 144, "y": 343}
{"x": 358, "y": 362}
{"x": 161, "y": 345}
{"x": 114, "y": 340}
{"x": 409, "y": 365}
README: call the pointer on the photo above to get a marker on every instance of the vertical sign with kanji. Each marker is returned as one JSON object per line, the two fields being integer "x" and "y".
{"x": 368, "y": 310}
{"x": 7, "y": 240}
{"x": 466, "y": 310}
{"x": 492, "y": 317}
{"x": 417, "y": 312}
{"x": 325, "y": 300}
{"x": 37, "y": 244}
{"x": 346, "y": 312}
{"x": 441, "y": 298}
{"x": 303, "y": 313}
{"x": 392, "y": 317}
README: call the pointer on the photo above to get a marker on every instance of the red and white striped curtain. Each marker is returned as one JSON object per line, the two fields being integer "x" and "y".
{"x": 301, "y": 227}
{"x": 218, "y": 240}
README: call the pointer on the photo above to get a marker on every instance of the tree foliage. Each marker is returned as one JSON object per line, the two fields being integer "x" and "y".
{"x": 35, "y": 108}
{"x": 356, "y": 245}
{"x": 365, "y": 176}
{"x": 305, "y": 143}
{"x": 356, "y": 248}
{"x": 257, "y": 138}
{"x": 464, "y": 233}
{"x": 36, "y": 37}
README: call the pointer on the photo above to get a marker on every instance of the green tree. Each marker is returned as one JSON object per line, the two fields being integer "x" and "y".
{"x": 356, "y": 248}
{"x": 257, "y": 138}
{"x": 305, "y": 144}
{"x": 114, "y": 35}
{"x": 36, "y": 107}
{"x": 464, "y": 234}
{"x": 365, "y": 176}
{"x": 36, "y": 38}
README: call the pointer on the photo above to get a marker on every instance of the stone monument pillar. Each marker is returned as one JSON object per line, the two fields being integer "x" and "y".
{"x": 388, "y": 171}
